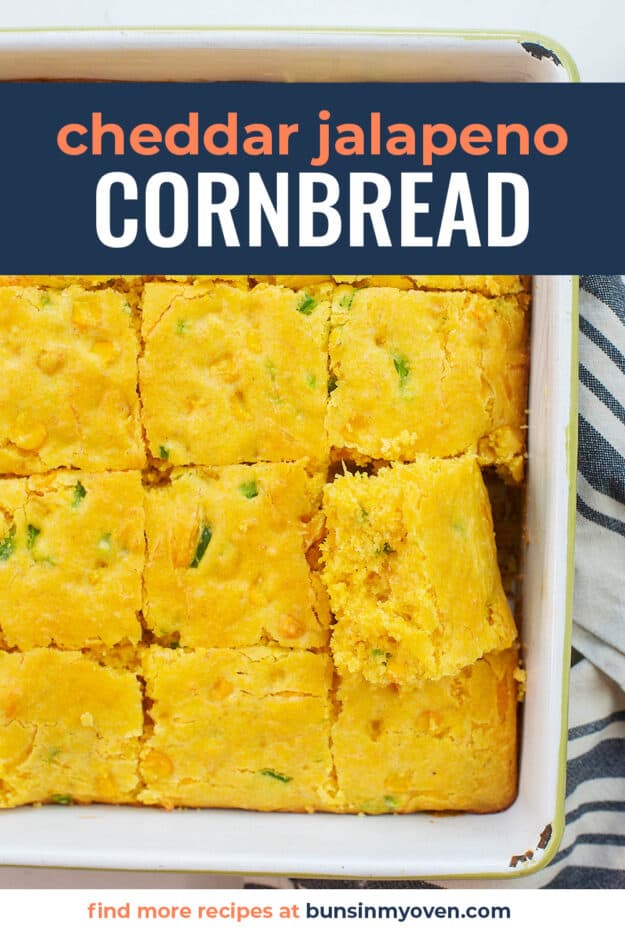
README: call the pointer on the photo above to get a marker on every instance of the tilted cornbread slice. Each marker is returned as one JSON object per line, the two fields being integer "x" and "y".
{"x": 246, "y": 728}
{"x": 71, "y": 556}
{"x": 411, "y": 570}
{"x": 68, "y": 395}
{"x": 69, "y": 729}
{"x": 425, "y": 372}
{"x": 233, "y": 375}
{"x": 447, "y": 745}
{"x": 227, "y": 563}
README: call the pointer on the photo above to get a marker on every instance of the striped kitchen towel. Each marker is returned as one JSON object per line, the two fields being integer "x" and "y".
{"x": 599, "y": 631}
{"x": 592, "y": 853}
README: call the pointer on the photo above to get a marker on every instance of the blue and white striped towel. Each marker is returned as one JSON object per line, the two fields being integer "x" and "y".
{"x": 592, "y": 853}
{"x": 599, "y": 631}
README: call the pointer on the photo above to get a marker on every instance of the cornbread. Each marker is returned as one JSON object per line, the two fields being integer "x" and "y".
{"x": 226, "y": 563}
{"x": 247, "y": 555}
{"x": 487, "y": 285}
{"x": 251, "y": 729}
{"x": 247, "y": 373}
{"x": 60, "y": 281}
{"x": 68, "y": 395}
{"x": 70, "y": 570}
{"x": 428, "y": 372}
{"x": 437, "y": 745}
{"x": 411, "y": 570}
{"x": 69, "y": 729}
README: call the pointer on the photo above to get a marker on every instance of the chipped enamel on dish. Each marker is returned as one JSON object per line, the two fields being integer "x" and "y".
{"x": 525, "y": 836}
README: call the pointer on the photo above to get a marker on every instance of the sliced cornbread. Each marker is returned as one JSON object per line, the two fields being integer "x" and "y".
{"x": 246, "y": 728}
{"x": 69, "y": 729}
{"x": 227, "y": 558}
{"x": 71, "y": 559}
{"x": 426, "y": 372}
{"x": 68, "y": 397}
{"x": 411, "y": 570}
{"x": 232, "y": 375}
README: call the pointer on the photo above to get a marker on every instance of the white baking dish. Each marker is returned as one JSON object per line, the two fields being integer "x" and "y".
{"x": 406, "y": 846}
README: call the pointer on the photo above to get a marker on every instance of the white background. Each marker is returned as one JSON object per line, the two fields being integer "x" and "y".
{"x": 593, "y": 31}
{"x": 65, "y": 915}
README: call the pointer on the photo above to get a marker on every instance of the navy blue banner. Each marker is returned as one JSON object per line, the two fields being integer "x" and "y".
{"x": 308, "y": 178}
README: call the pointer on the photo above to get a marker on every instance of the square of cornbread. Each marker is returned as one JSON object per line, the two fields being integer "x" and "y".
{"x": 227, "y": 557}
{"x": 71, "y": 556}
{"x": 69, "y": 729}
{"x": 411, "y": 570}
{"x": 232, "y": 375}
{"x": 243, "y": 728}
{"x": 446, "y": 745}
{"x": 68, "y": 395}
{"x": 428, "y": 372}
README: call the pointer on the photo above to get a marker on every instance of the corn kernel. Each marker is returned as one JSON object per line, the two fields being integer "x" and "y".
{"x": 28, "y": 434}
{"x": 115, "y": 400}
{"x": 399, "y": 781}
{"x": 87, "y": 313}
{"x": 49, "y": 361}
{"x": 106, "y": 787}
{"x": 253, "y": 342}
{"x": 10, "y": 704}
{"x": 231, "y": 374}
{"x": 157, "y": 764}
{"x": 105, "y": 350}
{"x": 183, "y": 544}
{"x": 222, "y": 689}
{"x": 291, "y": 628}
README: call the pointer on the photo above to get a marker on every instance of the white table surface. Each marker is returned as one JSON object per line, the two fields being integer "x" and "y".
{"x": 591, "y": 30}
